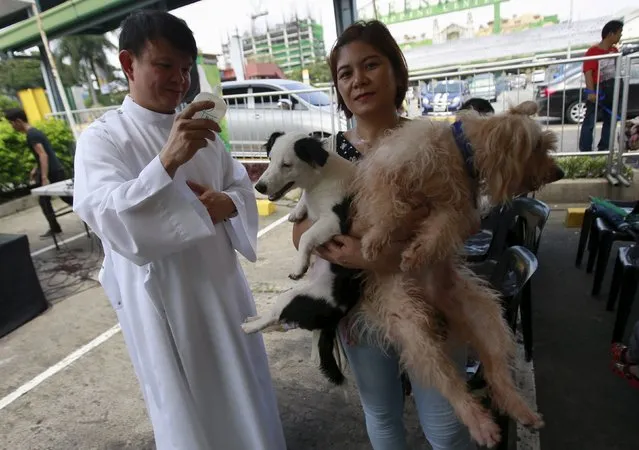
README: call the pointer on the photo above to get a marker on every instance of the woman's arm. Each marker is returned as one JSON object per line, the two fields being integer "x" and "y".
{"x": 299, "y": 228}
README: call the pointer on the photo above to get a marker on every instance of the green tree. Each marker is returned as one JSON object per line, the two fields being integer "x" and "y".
{"x": 318, "y": 72}
{"x": 7, "y": 103}
{"x": 87, "y": 54}
{"x": 20, "y": 73}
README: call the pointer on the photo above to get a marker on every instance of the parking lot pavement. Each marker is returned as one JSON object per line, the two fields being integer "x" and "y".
{"x": 79, "y": 393}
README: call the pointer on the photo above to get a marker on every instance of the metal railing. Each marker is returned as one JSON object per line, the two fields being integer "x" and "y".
{"x": 627, "y": 78}
{"x": 83, "y": 117}
{"x": 561, "y": 96}
{"x": 252, "y": 117}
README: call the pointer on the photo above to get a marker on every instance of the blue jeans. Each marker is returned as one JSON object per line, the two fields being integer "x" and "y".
{"x": 377, "y": 374}
{"x": 588, "y": 127}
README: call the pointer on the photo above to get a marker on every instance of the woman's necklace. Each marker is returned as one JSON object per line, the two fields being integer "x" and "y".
{"x": 360, "y": 142}
{"x": 367, "y": 143}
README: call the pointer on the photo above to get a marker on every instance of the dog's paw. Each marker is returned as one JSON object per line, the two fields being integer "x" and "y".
{"x": 490, "y": 434}
{"x": 531, "y": 420}
{"x": 296, "y": 216}
{"x": 412, "y": 259}
{"x": 300, "y": 269}
{"x": 371, "y": 248}
{"x": 250, "y": 327}
{"x": 483, "y": 428}
{"x": 297, "y": 275}
{"x": 251, "y": 319}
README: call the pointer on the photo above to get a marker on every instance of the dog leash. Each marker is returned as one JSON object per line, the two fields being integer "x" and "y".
{"x": 602, "y": 97}
{"x": 466, "y": 149}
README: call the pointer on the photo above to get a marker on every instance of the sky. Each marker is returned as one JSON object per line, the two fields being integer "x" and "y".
{"x": 212, "y": 20}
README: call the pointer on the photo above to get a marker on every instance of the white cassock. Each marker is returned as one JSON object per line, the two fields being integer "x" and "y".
{"x": 176, "y": 283}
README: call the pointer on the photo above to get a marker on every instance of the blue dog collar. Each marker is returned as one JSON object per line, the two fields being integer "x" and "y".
{"x": 468, "y": 154}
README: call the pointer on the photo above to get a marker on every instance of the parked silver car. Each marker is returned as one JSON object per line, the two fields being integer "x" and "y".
{"x": 257, "y": 108}
{"x": 484, "y": 86}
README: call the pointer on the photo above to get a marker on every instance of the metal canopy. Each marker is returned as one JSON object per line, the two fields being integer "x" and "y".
{"x": 14, "y": 11}
{"x": 62, "y": 18}
{"x": 345, "y": 14}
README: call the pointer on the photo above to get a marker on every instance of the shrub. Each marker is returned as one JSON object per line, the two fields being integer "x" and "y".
{"x": 588, "y": 167}
{"x": 7, "y": 103}
{"x": 16, "y": 160}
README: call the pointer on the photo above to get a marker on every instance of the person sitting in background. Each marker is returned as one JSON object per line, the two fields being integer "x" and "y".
{"x": 482, "y": 106}
{"x": 48, "y": 168}
{"x": 625, "y": 359}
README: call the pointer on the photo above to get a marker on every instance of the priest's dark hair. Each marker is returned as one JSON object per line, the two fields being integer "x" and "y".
{"x": 149, "y": 25}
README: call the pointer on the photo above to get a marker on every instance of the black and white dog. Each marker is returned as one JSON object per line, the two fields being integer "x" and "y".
{"x": 297, "y": 160}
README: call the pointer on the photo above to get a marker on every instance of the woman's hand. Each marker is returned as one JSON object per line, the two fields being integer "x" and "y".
{"x": 345, "y": 251}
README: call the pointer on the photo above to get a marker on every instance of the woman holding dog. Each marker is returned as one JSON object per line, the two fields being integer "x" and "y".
{"x": 371, "y": 77}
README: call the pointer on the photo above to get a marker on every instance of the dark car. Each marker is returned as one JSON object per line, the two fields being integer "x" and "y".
{"x": 571, "y": 83}
{"x": 445, "y": 97}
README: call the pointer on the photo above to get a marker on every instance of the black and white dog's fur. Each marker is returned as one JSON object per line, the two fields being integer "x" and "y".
{"x": 297, "y": 160}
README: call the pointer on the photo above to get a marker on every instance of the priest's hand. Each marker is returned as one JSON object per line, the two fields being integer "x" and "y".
{"x": 188, "y": 135}
{"x": 218, "y": 204}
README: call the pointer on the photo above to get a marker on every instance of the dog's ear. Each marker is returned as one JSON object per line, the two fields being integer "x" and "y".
{"x": 271, "y": 141}
{"x": 310, "y": 151}
{"x": 507, "y": 142}
{"x": 527, "y": 108}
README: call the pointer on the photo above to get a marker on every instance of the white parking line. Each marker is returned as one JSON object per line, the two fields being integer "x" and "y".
{"x": 269, "y": 227}
{"x": 70, "y": 359}
{"x": 52, "y": 246}
{"x": 101, "y": 339}
{"x": 265, "y": 230}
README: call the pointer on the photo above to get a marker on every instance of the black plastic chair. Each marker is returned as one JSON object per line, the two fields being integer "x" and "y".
{"x": 602, "y": 236}
{"x": 491, "y": 241}
{"x": 512, "y": 272}
{"x": 509, "y": 275}
{"x": 625, "y": 279}
{"x": 532, "y": 215}
{"x": 587, "y": 224}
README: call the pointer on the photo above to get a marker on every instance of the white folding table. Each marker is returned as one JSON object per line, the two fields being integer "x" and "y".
{"x": 59, "y": 189}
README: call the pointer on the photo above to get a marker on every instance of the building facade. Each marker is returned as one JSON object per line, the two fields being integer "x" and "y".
{"x": 291, "y": 45}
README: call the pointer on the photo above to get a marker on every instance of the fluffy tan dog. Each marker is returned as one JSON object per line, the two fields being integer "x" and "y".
{"x": 432, "y": 164}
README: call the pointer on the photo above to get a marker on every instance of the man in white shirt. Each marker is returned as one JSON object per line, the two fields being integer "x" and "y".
{"x": 171, "y": 207}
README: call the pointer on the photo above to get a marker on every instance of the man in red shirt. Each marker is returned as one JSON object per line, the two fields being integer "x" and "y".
{"x": 596, "y": 73}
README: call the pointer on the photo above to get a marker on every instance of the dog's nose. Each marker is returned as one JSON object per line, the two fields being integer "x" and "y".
{"x": 260, "y": 187}
{"x": 558, "y": 174}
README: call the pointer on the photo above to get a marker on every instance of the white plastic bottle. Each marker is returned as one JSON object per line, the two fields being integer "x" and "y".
{"x": 217, "y": 113}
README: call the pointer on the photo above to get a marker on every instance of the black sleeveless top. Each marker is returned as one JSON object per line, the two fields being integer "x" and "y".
{"x": 345, "y": 149}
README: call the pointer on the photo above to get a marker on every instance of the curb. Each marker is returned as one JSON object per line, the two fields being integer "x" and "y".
{"x": 18, "y": 205}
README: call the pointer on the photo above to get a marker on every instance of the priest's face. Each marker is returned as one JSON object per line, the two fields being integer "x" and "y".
{"x": 159, "y": 77}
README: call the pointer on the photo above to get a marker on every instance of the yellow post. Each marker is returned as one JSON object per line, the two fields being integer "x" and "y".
{"x": 42, "y": 102}
{"x": 265, "y": 207}
{"x": 574, "y": 217}
{"x": 34, "y": 103}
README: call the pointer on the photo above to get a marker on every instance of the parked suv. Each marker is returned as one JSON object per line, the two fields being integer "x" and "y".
{"x": 264, "y": 106}
{"x": 571, "y": 83}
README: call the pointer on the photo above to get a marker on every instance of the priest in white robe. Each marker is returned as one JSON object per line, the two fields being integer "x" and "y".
{"x": 171, "y": 270}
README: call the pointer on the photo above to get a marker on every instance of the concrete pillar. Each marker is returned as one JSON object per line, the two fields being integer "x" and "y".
{"x": 50, "y": 84}
{"x": 345, "y": 14}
